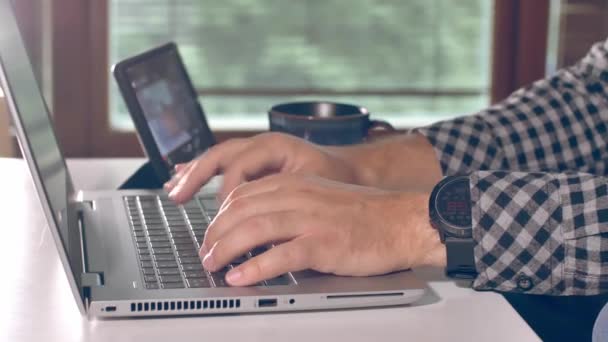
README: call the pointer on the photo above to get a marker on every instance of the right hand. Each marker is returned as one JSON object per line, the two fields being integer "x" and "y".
{"x": 241, "y": 160}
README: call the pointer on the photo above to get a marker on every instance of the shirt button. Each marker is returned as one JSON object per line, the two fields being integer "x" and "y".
{"x": 524, "y": 282}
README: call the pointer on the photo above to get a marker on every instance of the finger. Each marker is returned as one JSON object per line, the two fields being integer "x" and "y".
{"x": 258, "y": 186}
{"x": 180, "y": 170}
{"x": 270, "y": 183}
{"x": 252, "y": 162}
{"x": 247, "y": 207}
{"x": 288, "y": 257}
{"x": 181, "y": 166}
{"x": 256, "y": 231}
{"x": 206, "y": 166}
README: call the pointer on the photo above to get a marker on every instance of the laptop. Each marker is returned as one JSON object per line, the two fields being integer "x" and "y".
{"x": 133, "y": 253}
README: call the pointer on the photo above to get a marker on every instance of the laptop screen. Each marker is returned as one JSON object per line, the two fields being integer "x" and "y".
{"x": 37, "y": 140}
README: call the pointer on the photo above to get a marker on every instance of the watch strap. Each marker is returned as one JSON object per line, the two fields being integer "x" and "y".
{"x": 460, "y": 258}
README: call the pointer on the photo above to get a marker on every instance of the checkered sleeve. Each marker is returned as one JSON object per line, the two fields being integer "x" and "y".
{"x": 541, "y": 222}
{"x": 554, "y": 125}
{"x": 541, "y": 233}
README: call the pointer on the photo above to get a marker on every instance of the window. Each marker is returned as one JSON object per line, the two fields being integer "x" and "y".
{"x": 575, "y": 26}
{"x": 410, "y": 62}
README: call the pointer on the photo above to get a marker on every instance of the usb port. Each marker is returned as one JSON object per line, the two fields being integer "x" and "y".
{"x": 267, "y": 302}
{"x": 110, "y": 308}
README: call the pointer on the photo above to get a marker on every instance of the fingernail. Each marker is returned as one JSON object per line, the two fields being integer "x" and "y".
{"x": 173, "y": 193}
{"x": 208, "y": 261}
{"x": 234, "y": 275}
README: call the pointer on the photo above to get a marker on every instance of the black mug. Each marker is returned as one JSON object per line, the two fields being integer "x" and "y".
{"x": 325, "y": 123}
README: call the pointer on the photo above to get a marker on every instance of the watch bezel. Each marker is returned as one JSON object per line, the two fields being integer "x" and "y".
{"x": 437, "y": 220}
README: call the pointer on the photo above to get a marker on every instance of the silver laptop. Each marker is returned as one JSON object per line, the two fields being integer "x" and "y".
{"x": 135, "y": 253}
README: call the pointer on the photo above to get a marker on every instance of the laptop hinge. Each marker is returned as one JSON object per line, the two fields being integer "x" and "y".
{"x": 88, "y": 278}
{"x": 91, "y": 279}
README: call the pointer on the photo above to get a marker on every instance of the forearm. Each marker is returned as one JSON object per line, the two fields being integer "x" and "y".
{"x": 402, "y": 162}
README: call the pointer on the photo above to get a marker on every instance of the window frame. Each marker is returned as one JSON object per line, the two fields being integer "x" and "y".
{"x": 80, "y": 64}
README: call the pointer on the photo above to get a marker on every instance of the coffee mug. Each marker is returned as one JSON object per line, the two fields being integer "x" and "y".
{"x": 325, "y": 123}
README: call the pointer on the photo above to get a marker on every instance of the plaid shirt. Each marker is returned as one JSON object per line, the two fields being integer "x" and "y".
{"x": 538, "y": 163}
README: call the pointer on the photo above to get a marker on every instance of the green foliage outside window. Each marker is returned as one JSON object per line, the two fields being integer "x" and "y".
{"x": 374, "y": 46}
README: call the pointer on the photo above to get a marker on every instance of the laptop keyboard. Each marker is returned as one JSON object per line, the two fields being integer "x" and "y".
{"x": 167, "y": 238}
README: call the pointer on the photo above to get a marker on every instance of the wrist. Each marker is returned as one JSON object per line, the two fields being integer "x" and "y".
{"x": 353, "y": 159}
{"x": 401, "y": 162}
{"x": 420, "y": 240}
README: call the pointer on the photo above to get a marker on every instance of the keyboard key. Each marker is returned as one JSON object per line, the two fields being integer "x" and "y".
{"x": 148, "y": 271}
{"x": 164, "y": 257}
{"x": 180, "y": 234}
{"x": 143, "y": 251}
{"x": 138, "y": 228}
{"x": 218, "y": 280}
{"x": 182, "y": 240}
{"x": 192, "y": 267}
{"x": 157, "y": 233}
{"x": 151, "y": 286}
{"x": 176, "y": 222}
{"x": 159, "y": 238}
{"x": 161, "y": 244}
{"x": 166, "y": 264}
{"x": 179, "y": 228}
{"x": 187, "y": 254}
{"x": 146, "y": 264}
{"x": 152, "y": 227}
{"x": 195, "y": 274}
{"x": 170, "y": 279}
{"x": 145, "y": 257}
{"x": 198, "y": 282}
{"x": 168, "y": 271}
{"x": 199, "y": 231}
{"x": 162, "y": 251}
{"x": 173, "y": 286}
{"x": 149, "y": 278}
{"x": 190, "y": 260}
{"x": 188, "y": 246}
{"x": 141, "y": 245}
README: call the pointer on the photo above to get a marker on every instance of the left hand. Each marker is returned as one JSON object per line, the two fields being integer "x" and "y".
{"x": 322, "y": 225}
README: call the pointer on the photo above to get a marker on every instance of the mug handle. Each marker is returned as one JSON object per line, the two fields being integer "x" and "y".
{"x": 381, "y": 124}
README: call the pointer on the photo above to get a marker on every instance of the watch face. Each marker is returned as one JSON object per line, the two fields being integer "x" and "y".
{"x": 454, "y": 204}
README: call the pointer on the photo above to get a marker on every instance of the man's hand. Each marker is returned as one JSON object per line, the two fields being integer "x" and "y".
{"x": 401, "y": 162}
{"x": 243, "y": 160}
{"x": 322, "y": 225}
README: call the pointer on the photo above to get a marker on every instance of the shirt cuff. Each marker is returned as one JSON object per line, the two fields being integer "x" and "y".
{"x": 518, "y": 244}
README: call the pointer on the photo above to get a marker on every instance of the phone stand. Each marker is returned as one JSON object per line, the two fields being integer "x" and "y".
{"x": 144, "y": 178}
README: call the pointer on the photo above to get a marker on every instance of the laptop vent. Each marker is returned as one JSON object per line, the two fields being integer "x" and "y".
{"x": 185, "y": 305}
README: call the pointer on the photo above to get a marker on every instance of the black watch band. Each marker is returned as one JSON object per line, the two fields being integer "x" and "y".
{"x": 460, "y": 258}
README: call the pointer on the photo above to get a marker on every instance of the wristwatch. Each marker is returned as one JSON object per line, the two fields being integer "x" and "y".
{"x": 450, "y": 214}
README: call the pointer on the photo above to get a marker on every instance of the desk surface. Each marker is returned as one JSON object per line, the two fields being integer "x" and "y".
{"x": 37, "y": 305}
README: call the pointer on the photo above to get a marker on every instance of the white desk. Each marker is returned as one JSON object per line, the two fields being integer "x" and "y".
{"x": 37, "y": 305}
